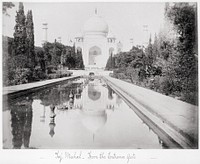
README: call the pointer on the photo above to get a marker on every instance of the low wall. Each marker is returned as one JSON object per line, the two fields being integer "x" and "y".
{"x": 176, "y": 118}
{"x": 24, "y": 88}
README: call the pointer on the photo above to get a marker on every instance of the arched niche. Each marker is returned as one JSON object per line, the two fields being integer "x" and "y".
{"x": 93, "y": 53}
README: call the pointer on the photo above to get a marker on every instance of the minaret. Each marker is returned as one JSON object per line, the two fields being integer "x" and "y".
{"x": 45, "y": 32}
{"x": 145, "y": 39}
{"x": 132, "y": 42}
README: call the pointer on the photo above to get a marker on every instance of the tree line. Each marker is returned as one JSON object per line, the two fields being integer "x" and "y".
{"x": 24, "y": 63}
{"x": 169, "y": 65}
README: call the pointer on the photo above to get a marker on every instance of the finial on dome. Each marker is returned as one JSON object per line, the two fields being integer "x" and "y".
{"x": 95, "y": 11}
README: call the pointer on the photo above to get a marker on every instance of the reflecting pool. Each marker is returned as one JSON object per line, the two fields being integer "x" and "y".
{"x": 78, "y": 114}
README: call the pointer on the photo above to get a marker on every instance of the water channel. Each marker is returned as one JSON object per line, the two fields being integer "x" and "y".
{"x": 79, "y": 114}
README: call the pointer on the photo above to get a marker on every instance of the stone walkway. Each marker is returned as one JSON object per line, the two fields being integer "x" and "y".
{"x": 181, "y": 116}
{"x": 28, "y": 86}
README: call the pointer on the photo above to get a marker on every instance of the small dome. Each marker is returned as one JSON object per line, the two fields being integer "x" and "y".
{"x": 96, "y": 24}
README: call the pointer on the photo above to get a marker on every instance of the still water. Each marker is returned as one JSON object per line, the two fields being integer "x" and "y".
{"x": 76, "y": 114}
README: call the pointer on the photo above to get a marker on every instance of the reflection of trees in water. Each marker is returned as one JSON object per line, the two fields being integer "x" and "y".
{"x": 52, "y": 126}
{"x": 21, "y": 110}
{"x": 110, "y": 93}
{"x": 59, "y": 94}
{"x": 118, "y": 100}
{"x": 21, "y": 121}
{"x": 52, "y": 120}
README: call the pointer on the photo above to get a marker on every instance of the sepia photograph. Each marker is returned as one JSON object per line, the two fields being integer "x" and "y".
{"x": 100, "y": 75}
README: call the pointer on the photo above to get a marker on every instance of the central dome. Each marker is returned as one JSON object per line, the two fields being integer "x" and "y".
{"x": 96, "y": 24}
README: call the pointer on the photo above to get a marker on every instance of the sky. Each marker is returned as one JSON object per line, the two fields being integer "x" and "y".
{"x": 65, "y": 19}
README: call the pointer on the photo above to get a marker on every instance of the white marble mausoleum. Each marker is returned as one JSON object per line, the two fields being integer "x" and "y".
{"x": 96, "y": 43}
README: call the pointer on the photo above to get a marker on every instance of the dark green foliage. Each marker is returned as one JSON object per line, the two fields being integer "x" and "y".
{"x": 15, "y": 53}
{"x": 48, "y": 52}
{"x": 124, "y": 59}
{"x": 183, "y": 17}
{"x": 7, "y": 44}
{"x": 58, "y": 49}
{"x": 51, "y": 69}
{"x": 74, "y": 59}
{"x": 8, "y": 47}
{"x": 19, "y": 76}
{"x": 39, "y": 74}
{"x": 149, "y": 54}
{"x": 119, "y": 74}
{"x": 134, "y": 58}
{"x": 30, "y": 41}
{"x": 170, "y": 64}
{"x": 59, "y": 75}
{"x": 23, "y": 62}
{"x": 20, "y": 36}
{"x": 129, "y": 65}
{"x": 56, "y": 54}
{"x": 53, "y": 52}
{"x": 70, "y": 60}
{"x": 139, "y": 57}
{"x": 110, "y": 65}
{"x": 156, "y": 48}
{"x": 79, "y": 61}
{"x": 40, "y": 58}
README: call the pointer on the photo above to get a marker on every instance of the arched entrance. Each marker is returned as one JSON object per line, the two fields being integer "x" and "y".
{"x": 93, "y": 53}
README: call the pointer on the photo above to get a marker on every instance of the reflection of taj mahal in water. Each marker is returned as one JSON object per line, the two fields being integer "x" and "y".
{"x": 96, "y": 96}
{"x": 96, "y": 43}
{"x": 96, "y": 103}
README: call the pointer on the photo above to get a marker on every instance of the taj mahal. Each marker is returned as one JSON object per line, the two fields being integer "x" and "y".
{"x": 96, "y": 43}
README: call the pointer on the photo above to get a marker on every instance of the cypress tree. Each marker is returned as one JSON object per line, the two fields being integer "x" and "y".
{"x": 109, "y": 64}
{"x": 20, "y": 37}
{"x": 54, "y": 58}
{"x": 30, "y": 40}
{"x": 79, "y": 60}
{"x": 155, "y": 48}
{"x": 149, "y": 54}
